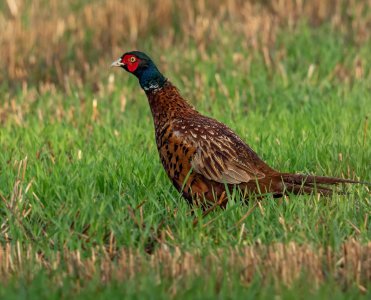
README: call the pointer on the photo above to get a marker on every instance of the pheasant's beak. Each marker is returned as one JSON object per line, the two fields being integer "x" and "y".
{"x": 118, "y": 63}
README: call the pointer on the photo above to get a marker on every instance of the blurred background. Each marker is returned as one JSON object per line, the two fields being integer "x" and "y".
{"x": 54, "y": 44}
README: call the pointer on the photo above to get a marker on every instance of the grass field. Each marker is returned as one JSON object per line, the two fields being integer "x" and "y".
{"x": 86, "y": 210}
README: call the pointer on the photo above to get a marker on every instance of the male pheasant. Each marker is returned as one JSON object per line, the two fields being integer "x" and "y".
{"x": 202, "y": 156}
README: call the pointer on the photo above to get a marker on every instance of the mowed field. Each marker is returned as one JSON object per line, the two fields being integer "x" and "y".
{"x": 86, "y": 210}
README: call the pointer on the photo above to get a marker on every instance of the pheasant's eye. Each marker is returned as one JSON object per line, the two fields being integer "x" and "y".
{"x": 132, "y": 59}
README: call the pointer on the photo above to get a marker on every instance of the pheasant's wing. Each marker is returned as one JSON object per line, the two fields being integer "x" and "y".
{"x": 219, "y": 161}
{"x": 221, "y": 155}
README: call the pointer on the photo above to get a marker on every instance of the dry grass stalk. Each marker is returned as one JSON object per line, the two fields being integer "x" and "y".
{"x": 17, "y": 204}
{"x": 39, "y": 49}
{"x": 283, "y": 263}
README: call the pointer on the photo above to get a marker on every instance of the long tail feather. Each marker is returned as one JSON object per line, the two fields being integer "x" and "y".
{"x": 303, "y": 189}
{"x": 307, "y": 184}
{"x": 300, "y": 178}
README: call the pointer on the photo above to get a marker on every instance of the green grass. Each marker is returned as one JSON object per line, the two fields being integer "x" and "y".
{"x": 88, "y": 175}
{"x": 145, "y": 287}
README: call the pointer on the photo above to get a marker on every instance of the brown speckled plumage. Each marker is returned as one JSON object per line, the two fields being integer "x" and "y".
{"x": 202, "y": 156}
{"x": 200, "y": 149}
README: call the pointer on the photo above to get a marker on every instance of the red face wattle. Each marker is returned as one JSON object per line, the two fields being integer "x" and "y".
{"x": 131, "y": 62}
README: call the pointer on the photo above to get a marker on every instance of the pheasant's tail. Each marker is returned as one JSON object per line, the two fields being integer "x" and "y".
{"x": 307, "y": 184}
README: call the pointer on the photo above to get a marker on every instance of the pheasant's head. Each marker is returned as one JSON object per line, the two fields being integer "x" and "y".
{"x": 142, "y": 66}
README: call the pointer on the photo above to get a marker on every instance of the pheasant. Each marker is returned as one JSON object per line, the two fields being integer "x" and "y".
{"x": 203, "y": 157}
